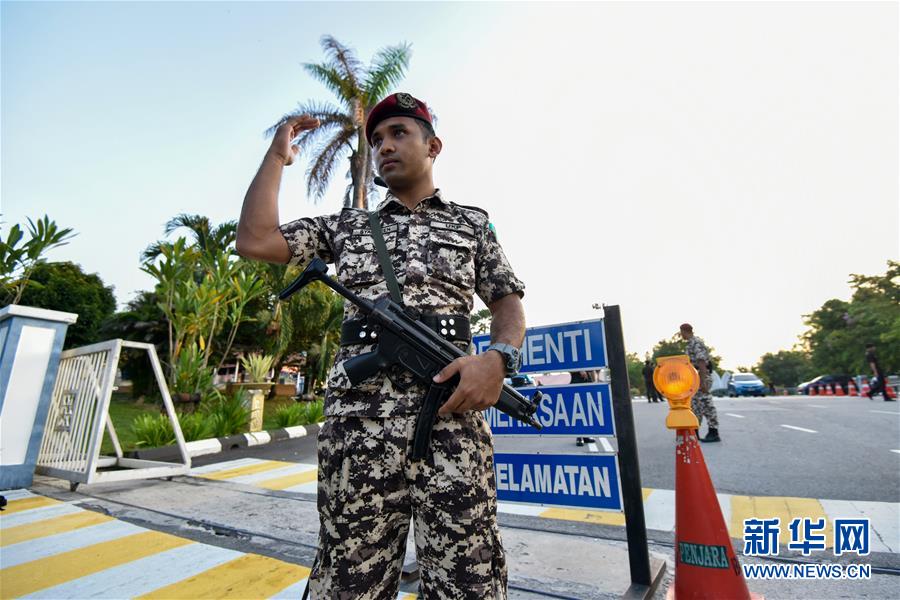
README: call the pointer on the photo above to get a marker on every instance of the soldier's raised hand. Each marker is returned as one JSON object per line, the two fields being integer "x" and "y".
{"x": 282, "y": 144}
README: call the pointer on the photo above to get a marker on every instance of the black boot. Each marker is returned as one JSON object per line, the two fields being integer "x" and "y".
{"x": 711, "y": 436}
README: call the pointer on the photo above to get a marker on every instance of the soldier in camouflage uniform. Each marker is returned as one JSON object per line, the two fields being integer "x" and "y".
{"x": 369, "y": 487}
{"x": 702, "y": 402}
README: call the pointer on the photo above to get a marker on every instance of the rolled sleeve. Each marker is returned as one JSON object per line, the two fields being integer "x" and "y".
{"x": 308, "y": 238}
{"x": 494, "y": 276}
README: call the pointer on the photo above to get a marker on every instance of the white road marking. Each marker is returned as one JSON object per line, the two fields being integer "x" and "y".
{"x": 800, "y": 429}
{"x": 607, "y": 447}
{"x": 593, "y": 447}
{"x": 885, "y": 412}
{"x": 818, "y": 406}
{"x": 734, "y": 415}
{"x": 897, "y": 451}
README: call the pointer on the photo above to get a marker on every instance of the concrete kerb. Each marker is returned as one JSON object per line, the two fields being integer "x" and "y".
{"x": 224, "y": 444}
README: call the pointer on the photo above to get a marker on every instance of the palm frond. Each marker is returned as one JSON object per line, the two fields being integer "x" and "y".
{"x": 195, "y": 223}
{"x": 388, "y": 68}
{"x": 325, "y": 112}
{"x": 152, "y": 251}
{"x": 344, "y": 60}
{"x": 330, "y": 78}
{"x": 329, "y": 124}
{"x": 222, "y": 236}
{"x": 322, "y": 168}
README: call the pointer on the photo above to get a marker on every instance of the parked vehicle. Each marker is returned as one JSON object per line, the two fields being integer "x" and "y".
{"x": 746, "y": 384}
{"x": 519, "y": 380}
{"x": 839, "y": 384}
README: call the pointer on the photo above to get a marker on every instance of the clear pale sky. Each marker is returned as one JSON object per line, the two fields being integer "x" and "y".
{"x": 726, "y": 164}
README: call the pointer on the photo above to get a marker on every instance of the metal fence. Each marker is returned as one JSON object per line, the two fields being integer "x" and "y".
{"x": 79, "y": 413}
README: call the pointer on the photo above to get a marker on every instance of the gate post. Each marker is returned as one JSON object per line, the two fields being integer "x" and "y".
{"x": 31, "y": 340}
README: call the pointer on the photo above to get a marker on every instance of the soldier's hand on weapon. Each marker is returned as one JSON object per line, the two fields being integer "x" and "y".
{"x": 480, "y": 382}
{"x": 282, "y": 144}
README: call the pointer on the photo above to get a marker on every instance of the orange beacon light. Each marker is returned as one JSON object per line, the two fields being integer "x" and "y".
{"x": 677, "y": 379}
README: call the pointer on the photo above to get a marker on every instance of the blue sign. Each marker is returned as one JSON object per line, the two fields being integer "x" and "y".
{"x": 584, "y": 409}
{"x": 577, "y": 480}
{"x": 569, "y": 347}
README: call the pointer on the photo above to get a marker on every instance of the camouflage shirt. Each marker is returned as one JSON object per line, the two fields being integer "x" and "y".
{"x": 697, "y": 351}
{"x": 442, "y": 254}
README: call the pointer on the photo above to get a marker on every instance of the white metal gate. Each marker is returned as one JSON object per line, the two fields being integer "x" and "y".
{"x": 79, "y": 411}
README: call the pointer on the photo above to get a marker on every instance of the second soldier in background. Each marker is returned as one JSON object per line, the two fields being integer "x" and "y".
{"x": 702, "y": 402}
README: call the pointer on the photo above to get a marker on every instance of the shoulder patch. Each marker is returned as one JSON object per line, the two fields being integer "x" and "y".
{"x": 477, "y": 217}
{"x": 473, "y": 208}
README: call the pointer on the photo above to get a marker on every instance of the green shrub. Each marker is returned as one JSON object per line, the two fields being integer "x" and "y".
{"x": 301, "y": 413}
{"x": 190, "y": 374}
{"x": 195, "y": 426}
{"x": 257, "y": 366}
{"x": 315, "y": 412}
{"x": 290, "y": 415}
{"x": 153, "y": 431}
{"x": 228, "y": 413}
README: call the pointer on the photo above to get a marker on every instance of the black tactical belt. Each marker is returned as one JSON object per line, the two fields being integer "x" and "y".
{"x": 454, "y": 328}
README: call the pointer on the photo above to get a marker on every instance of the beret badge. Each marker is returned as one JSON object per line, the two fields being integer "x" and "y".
{"x": 406, "y": 101}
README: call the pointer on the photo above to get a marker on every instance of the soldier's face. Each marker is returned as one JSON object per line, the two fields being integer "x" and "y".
{"x": 402, "y": 155}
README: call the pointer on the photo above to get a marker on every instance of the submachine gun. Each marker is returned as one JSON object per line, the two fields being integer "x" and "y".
{"x": 407, "y": 343}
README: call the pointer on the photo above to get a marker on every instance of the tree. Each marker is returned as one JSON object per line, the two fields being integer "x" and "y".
{"x": 785, "y": 368}
{"x": 839, "y": 330}
{"x": 64, "y": 286}
{"x": 669, "y": 347}
{"x": 341, "y": 128}
{"x": 18, "y": 263}
{"x": 201, "y": 291}
{"x": 480, "y": 321}
{"x": 635, "y": 372}
{"x": 209, "y": 239}
{"x": 141, "y": 321}
{"x": 675, "y": 345}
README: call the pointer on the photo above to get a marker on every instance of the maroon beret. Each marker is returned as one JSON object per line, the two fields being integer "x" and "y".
{"x": 396, "y": 105}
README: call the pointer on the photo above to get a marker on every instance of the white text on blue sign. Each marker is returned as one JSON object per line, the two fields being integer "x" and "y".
{"x": 584, "y": 481}
{"x": 567, "y": 347}
{"x": 564, "y": 410}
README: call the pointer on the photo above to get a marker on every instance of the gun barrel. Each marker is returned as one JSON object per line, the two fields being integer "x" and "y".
{"x": 317, "y": 270}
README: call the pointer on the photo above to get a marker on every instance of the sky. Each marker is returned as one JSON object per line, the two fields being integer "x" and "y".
{"x": 725, "y": 164}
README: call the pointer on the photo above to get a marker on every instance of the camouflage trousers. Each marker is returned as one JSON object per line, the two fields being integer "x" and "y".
{"x": 702, "y": 405}
{"x": 369, "y": 489}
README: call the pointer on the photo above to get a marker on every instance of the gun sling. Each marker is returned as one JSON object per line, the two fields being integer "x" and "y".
{"x": 386, "y": 267}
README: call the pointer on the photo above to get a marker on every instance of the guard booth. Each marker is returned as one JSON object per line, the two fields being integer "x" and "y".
{"x": 31, "y": 340}
{"x": 605, "y": 480}
{"x": 79, "y": 414}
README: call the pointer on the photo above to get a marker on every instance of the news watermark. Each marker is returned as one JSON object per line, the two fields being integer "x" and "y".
{"x": 762, "y": 537}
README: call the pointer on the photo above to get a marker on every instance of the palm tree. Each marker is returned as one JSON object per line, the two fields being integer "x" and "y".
{"x": 209, "y": 239}
{"x": 342, "y": 128}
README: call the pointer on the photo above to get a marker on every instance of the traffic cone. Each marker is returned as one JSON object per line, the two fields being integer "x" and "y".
{"x": 706, "y": 565}
{"x": 828, "y": 391}
{"x": 889, "y": 391}
{"x": 851, "y": 388}
{"x": 866, "y": 391}
{"x": 811, "y": 391}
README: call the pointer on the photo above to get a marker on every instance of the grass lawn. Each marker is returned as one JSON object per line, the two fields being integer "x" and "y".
{"x": 123, "y": 410}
